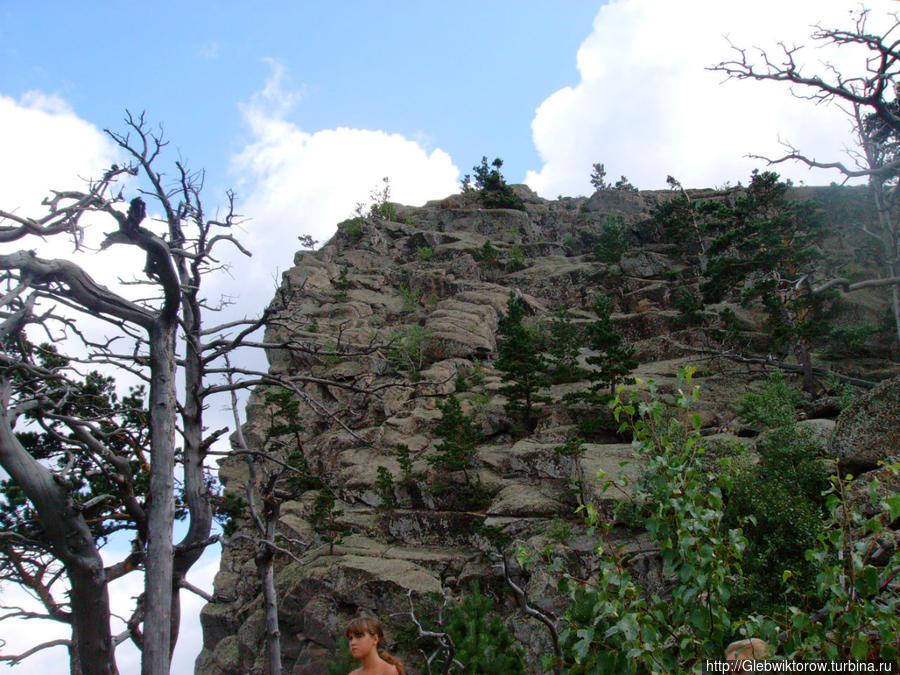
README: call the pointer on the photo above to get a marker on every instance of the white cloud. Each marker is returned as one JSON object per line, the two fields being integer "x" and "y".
{"x": 647, "y": 107}
{"x": 46, "y": 145}
{"x": 295, "y": 182}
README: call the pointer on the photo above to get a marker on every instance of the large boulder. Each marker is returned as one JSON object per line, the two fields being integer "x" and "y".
{"x": 868, "y": 431}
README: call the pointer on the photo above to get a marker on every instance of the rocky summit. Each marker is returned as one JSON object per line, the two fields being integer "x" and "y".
{"x": 402, "y": 311}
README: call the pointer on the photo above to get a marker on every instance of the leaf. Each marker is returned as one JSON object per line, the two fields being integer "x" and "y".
{"x": 867, "y": 581}
{"x": 696, "y": 421}
{"x": 893, "y": 504}
{"x": 860, "y": 648}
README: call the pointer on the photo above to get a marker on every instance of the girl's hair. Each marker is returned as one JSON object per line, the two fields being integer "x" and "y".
{"x": 368, "y": 624}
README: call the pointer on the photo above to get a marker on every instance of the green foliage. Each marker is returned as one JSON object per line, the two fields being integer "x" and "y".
{"x": 121, "y": 421}
{"x": 409, "y": 349}
{"x": 559, "y": 530}
{"x": 847, "y": 609}
{"x": 613, "y": 625}
{"x": 563, "y": 349}
{"x": 488, "y": 255}
{"x": 753, "y": 244}
{"x": 852, "y": 609}
{"x": 612, "y": 360}
{"x": 599, "y": 182}
{"x": 493, "y": 190}
{"x": 342, "y": 283}
{"x": 759, "y": 240}
{"x": 516, "y": 260}
{"x": 384, "y": 484}
{"x": 459, "y": 439}
{"x": 424, "y": 253}
{"x": 781, "y": 496}
{"x": 411, "y": 297}
{"x": 230, "y": 509}
{"x": 520, "y": 359}
{"x": 849, "y": 341}
{"x": 352, "y": 229}
{"x": 484, "y": 646}
{"x": 689, "y": 305}
{"x": 324, "y": 519}
{"x": 598, "y": 177}
{"x": 405, "y": 460}
{"x": 612, "y": 241}
{"x": 342, "y": 662}
{"x": 380, "y": 207}
{"x": 573, "y": 447}
{"x": 773, "y": 406}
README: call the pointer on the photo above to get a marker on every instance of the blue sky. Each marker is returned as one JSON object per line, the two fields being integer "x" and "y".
{"x": 462, "y": 76}
{"x": 303, "y": 107}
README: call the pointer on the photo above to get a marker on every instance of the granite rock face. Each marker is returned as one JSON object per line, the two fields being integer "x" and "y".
{"x": 408, "y": 309}
{"x": 868, "y": 431}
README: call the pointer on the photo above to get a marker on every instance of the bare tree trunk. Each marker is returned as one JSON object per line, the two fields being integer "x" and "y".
{"x": 266, "y": 569}
{"x": 161, "y": 507}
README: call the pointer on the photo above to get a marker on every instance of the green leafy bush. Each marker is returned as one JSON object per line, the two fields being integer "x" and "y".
{"x": 781, "y": 498}
{"x": 409, "y": 348}
{"x": 613, "y": 625}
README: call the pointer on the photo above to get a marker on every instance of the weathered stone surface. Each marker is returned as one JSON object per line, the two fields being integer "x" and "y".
{"x": 523, "y": 501}
{"x": 868, "y": 431}
{"x": 612, "y": 460}
{"x": 644, "y": 264}
{"x": 467, "y": 329}
{"x": 438, "y": 536}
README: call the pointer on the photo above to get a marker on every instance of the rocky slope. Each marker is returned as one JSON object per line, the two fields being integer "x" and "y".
{"x": 408, "y": 307}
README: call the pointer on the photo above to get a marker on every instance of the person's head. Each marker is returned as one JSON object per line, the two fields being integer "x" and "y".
{"x": 738, "y": 652}
{"x": 364, "y": 633}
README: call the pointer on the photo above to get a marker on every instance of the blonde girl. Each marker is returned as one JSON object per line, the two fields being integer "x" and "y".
{"x": 365, "y": 635}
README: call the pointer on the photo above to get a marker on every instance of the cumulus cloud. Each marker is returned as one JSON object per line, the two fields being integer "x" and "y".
{"x": 647, "y": 107}
{"x": 295, "y": 182}
{"x": 46, "y": 145}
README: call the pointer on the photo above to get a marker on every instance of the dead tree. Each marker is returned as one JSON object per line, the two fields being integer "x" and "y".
{"x": 55, "y": 297}
{"x": 869, "y": 98}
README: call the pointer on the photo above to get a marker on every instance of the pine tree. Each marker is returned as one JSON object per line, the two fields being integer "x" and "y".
{"x": 613, "y": 359}
{"x": 456, "y": 451}
{"x": 520, "y": 358}
{"x": 483, "y": 643}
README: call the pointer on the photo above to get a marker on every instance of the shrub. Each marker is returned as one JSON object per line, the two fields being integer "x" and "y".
{"x": 482, "y": 643}
{"x": 410, "y": 297}
{"x": 384, "y": 484}
{"x": 612, "y": 625}
{"x": 493, "y": 190}
{"x": 612, "y": 241}
{"x": 564, "y": 345}
{"x": 352, "y": 229}
{"x": 781, "y": 496}
{"x": 409, "y": 349}
{"x": 488, "y": 255}
{"x": 516, "y": 260}
{"x": 424, "y": 253}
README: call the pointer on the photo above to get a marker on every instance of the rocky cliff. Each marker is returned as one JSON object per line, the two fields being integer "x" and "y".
{"x": 398, "y": 312}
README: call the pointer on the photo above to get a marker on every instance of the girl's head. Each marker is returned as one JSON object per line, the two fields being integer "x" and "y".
{"x": 365, "y": 633}
{"x": 362, "y": 625}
